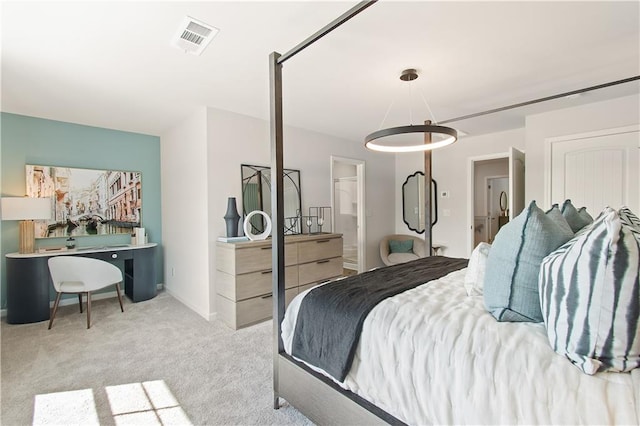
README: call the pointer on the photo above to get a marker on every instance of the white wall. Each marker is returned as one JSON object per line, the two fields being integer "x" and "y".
{"x": 450, "y": 164}
{"x": 450, "y": 170}
{"x": 614, "y": 113}
{"x": 183, "y": 151}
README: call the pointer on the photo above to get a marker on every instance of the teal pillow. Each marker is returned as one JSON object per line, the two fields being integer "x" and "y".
{"x": 554, "y": 214}
{"x": 511, "y": 279}
{"x": 576, "y": 218}
{"x": 400, "y": 246}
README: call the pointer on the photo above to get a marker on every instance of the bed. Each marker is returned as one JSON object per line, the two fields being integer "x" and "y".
{"x": 434, "y": 354}
{"x": 439, "y": 353}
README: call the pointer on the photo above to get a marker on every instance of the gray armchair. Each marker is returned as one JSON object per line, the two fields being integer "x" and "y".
{"x": 389, "y": 258}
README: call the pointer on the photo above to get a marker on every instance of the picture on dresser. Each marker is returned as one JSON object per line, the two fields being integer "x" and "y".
{"x": 86, "y": 201}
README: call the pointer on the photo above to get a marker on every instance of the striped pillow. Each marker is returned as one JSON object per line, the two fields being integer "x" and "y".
{"x": 590, "y": 295}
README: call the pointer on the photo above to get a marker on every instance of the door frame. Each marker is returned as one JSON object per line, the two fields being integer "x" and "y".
{"x": 471, "y": 180}
{"x": 361, "y": 216}
{"x": 548, "y": 150}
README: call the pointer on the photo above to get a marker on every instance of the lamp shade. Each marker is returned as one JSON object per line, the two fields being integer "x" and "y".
{"x": 25, "y": 208}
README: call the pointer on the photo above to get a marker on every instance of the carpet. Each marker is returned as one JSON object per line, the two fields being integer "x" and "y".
{"x": 191, "y": 371}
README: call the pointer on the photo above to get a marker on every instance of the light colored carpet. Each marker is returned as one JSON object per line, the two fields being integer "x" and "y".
{"x": 216, "y": 376}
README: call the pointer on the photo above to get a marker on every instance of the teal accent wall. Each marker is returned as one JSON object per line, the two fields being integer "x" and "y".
{"x": 30, "y": 140}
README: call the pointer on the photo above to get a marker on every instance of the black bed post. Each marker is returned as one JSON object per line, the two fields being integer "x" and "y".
{"x": 428, "y": 239}
{"x": 277, "y": 178}
{"x": 277, "y": 211}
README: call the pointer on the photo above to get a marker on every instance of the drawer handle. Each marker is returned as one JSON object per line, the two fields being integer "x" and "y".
{"x": 323, "y": 261}
{"x": 114, "y": 256}
{"x": 265, "y": 272}
{"x": 267, "y": 296}
{"x": 322, "y": 241}
{"x": 265, "y": 248}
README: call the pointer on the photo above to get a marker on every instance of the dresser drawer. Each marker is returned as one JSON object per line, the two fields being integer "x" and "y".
{"x": 249, "y": 311}
{"x": 241, "y": 260}
{"x": 319, "y": 270}
{"x": 253, "y": 284}
{"x": 319, "y": 249}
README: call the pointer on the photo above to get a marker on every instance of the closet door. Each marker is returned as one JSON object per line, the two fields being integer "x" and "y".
{"x": 597, "y": 170}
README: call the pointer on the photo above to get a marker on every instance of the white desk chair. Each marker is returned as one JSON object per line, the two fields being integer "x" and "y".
{"x": 73, "y": 274}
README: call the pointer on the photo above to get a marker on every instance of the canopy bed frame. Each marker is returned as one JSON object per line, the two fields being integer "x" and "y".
{"x": 310, "y": 392}
{"x": 313, "y": 394}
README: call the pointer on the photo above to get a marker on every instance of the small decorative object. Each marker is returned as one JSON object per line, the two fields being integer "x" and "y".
{"x": 140, "y": 235}
{"x": 71, "y": 243}
{"x": 293, "y": 224}
{"x": 320, "y": 214}
{"x": 232, "y": 218}
{"x": 267, "y": 226}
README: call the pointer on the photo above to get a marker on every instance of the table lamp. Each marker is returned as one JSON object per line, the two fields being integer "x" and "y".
{"x": 26, "y": 210}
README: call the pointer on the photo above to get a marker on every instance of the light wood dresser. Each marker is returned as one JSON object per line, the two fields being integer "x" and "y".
{"x": 244, "y": 280}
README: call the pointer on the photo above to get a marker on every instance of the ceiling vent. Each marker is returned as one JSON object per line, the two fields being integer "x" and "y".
{"x": 193, "y": 36}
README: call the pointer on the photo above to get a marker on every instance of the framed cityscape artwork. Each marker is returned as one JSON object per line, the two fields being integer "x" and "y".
{"x": 86, "y": 201}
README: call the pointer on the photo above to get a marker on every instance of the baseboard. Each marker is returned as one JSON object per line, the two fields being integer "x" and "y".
{"x": 74, "y": 300}
{"x": 187, "y": 304}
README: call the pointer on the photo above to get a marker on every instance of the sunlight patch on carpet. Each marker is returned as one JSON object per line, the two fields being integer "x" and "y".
{"x": 65, "y": 408}
{"x": 147, "y": 403}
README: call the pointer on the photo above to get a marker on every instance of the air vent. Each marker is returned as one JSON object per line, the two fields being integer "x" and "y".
{"x": 193, "y": 36}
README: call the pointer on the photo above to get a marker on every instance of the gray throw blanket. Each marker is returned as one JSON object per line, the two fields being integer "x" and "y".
{"x": 330, "y": 318}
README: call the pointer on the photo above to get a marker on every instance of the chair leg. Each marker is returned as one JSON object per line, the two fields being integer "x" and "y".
{"x": 55, "y": 309}
{"x": 88, "y": 309}
{"x": 119, "y": 296}
{"x": 80, "y": 301}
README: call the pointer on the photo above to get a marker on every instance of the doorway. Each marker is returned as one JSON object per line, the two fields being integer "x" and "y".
{"x": 495, "y": 193}
{"x": 496, "y": 200}
{"x": 347, "y": 207}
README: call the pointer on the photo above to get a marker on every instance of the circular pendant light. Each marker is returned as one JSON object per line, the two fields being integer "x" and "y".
{"x": 397, "y": 139}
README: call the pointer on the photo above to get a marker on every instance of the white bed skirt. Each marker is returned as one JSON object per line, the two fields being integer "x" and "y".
{"x": 433, "y": 355}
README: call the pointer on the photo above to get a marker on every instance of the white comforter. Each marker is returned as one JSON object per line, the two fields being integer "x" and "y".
{"x": 434, "y": 355}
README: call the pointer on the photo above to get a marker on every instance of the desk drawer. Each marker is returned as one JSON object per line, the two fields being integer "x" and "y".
{"x": 110, "y": 256}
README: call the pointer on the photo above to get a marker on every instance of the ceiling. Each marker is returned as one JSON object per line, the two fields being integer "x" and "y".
{"x": 111, "y": 64}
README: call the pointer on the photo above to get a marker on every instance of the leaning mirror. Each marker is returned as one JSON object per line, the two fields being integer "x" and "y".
{"x": 256, "y": 195}
{"x": 413, "y": 202}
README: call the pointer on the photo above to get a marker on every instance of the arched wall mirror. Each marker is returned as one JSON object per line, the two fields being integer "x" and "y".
{"x": 256, "y": 195}
{"x": 413, "y": 202}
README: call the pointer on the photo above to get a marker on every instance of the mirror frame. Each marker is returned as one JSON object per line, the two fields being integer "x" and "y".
{"x": 434, "y": 205}
{"x": 292, "y": 222}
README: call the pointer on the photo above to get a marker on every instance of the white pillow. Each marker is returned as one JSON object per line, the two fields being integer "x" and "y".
{"x": 474, "y": 279}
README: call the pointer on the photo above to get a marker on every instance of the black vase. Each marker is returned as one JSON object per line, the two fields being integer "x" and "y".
{"x": 231, "y": 217}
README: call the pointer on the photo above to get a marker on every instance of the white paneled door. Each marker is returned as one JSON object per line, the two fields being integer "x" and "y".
{"x": 596, "y": 170}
